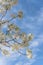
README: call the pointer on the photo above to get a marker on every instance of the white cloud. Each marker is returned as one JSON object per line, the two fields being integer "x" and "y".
{"x": 19, "y": 63}
{"x": 35, "y": 22}
{"x": 2, "y": 61}
{"x": 34, "y": 44}
{"x": 40, "y": 17}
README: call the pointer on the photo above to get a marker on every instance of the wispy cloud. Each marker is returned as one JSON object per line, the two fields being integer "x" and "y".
{"x": 19, "y": 63}
{"x": 2, "y": 61}
{"x": 34, "y": 44}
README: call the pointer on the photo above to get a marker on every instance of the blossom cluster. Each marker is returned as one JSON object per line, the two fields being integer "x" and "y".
{"x": 14, "y": 38}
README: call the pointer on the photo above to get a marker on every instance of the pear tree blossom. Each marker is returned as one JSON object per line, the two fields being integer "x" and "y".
{"x": 14, "y": 38}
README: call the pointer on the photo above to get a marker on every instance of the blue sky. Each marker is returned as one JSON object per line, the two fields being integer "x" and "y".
{"x": 32, "y": 22}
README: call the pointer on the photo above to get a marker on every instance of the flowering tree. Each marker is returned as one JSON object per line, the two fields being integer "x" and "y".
{"x": 13, "y": 39}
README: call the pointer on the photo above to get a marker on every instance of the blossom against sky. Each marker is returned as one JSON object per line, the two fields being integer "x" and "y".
{"x": 32, "y": 22}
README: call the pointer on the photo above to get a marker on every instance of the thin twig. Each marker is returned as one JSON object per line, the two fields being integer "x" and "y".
{"x": 3, "y": 15}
